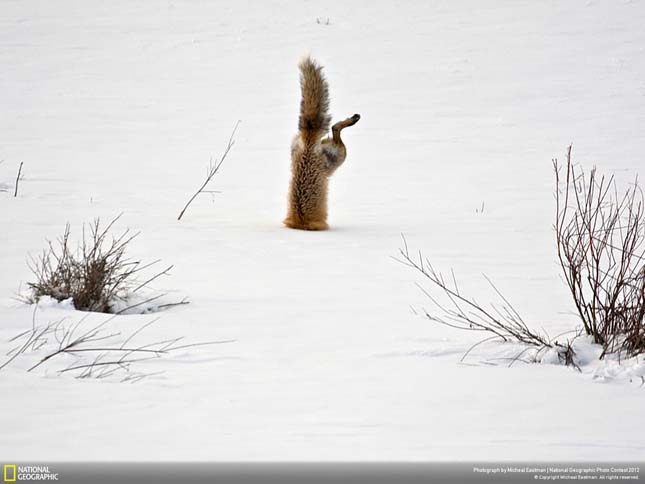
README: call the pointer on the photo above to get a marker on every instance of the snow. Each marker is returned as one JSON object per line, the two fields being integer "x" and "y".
{"x": 118, "y": 106}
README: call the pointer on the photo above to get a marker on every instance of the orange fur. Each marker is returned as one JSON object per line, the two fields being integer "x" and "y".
{"x": 313, "y": 159}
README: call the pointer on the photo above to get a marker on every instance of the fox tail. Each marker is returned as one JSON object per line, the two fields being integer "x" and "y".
{"x": 314, "y": 106}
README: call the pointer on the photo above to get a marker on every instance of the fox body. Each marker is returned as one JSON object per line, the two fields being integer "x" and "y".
{"x": 314, "y": 159}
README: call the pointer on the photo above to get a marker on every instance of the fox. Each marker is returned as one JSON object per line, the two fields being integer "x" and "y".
{"x": 314, "y": 159}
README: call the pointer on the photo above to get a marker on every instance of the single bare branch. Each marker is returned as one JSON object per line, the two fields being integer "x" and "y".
{"x": 15, "y": 192}
{"x": 211, "y": 171}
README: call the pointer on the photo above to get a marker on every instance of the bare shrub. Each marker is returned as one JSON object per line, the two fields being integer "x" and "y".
{"x": 501, "y": 320}
{"x": 601, "y": 248}
{"x": 600, "y": 235}
{"x": 93, "y": 351}
{"x": 96, "y": 274}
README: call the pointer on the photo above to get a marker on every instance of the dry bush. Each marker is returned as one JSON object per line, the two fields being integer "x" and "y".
{"x": 500, "y": 320}
{"x": 600, "y": 236}
{"x": 601, "y": 249}
{"x": 92, "y": 351}
{"x": 95, "y": 275}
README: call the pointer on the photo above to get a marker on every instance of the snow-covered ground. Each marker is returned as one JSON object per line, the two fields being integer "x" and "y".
{"x": 118, "y": 106}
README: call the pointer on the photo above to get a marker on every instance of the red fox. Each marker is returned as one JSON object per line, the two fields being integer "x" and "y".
{"x": 313, "y": 159}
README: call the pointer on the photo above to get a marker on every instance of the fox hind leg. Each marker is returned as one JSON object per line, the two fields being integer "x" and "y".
{"x": 345, "y": 123}
{"x": 333, "y": 148}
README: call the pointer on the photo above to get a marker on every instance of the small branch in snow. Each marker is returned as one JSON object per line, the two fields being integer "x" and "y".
{"x": 211, "y": 171}
{"x": 169, "y": 305}
{"x": 15, "y": 192}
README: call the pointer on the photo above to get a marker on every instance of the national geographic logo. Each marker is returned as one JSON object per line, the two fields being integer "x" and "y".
{"x": 14, "y": 473}
{"x": 9, "y": 473}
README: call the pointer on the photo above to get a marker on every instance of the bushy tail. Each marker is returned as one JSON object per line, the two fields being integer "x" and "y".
{"x": 314, "y": 119}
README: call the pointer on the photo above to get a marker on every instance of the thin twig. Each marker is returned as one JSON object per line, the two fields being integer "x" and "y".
{"x": 15, "y": 193}
{"x": 211, "y": 171}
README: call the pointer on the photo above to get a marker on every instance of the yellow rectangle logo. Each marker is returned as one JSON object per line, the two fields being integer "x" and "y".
{"x": 9, "y": 473}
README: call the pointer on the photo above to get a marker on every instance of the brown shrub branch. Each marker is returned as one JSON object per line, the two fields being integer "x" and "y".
{"x": 600, "y": 237}
{"x": 211, "y": 170}
{"x": 96, "y": 274}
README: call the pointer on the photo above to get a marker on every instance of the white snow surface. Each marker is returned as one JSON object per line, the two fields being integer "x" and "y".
{"x": 118, "y": 106}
